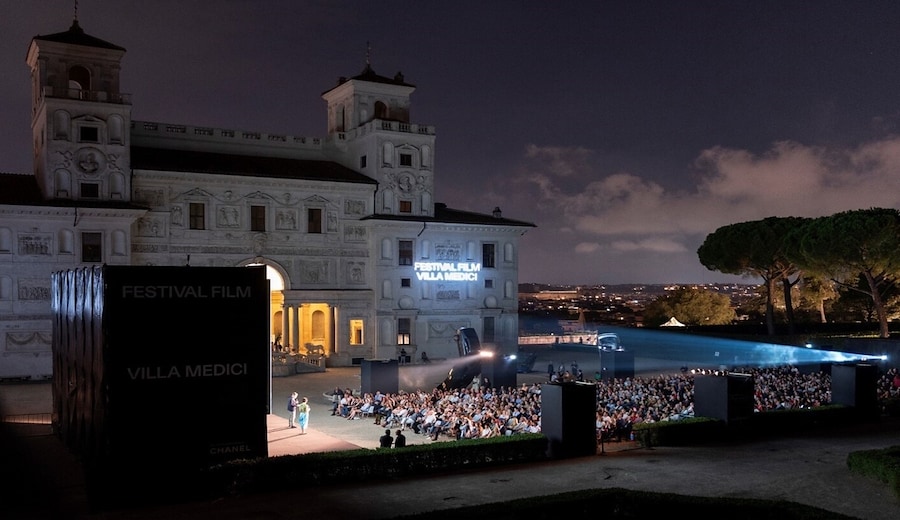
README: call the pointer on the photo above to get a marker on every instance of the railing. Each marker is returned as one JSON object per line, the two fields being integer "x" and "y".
{"x": 87, "y": 95}
{"x": 150, "y": 128}
{"x": 27, "y": 418}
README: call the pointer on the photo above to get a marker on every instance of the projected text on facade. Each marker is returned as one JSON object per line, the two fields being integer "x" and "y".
{"x": 447, "y": 271}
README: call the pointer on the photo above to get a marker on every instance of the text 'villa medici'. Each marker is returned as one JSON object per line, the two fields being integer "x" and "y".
{"x": 184, "y": 291}
{"x": 447, "y": 271}
{"x": 174, "y": 372}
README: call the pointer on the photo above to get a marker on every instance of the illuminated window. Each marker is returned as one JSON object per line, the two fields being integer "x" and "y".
{"x": 91, "y": 247}
{"x": 405, "y": 206}
{"x": 314, "y": 220}
{"x": 197, "y": 215}
{"x": 405, "y": 252}
{"x": 489, "y": 255}
{"x": 403, "y": 331}
{"x": 356, "y": 332}
{"x": 257, "y": 218}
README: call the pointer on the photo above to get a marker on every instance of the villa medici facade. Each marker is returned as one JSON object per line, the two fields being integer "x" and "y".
{"x": 362, "y": 260}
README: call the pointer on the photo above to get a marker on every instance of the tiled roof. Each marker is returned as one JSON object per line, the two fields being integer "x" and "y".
{"x": 76, "y": 36}
{"x": 443, "y": 214}
{"x": 159, "y": 159}
{"x": 18, "y": 189}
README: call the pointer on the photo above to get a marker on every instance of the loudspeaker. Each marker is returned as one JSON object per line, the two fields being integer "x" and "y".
{"x": 856, "y": 386}
{"x": 726, "y": 397}
{"x": 380, "y": 374}
{"x": 569, "y": 419}
{"x": 618, "y": 364}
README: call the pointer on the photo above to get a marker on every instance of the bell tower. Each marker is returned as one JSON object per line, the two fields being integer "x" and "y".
{"x": 80, "y": 120}
{"x": 369, "y": 123}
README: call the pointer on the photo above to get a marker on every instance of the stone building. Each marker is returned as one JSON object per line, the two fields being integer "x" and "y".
{"x": 363, "y": 262}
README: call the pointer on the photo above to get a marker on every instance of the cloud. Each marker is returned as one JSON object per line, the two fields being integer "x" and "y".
{"x": 651, "y": 245}
{"x": 729, "y": 186}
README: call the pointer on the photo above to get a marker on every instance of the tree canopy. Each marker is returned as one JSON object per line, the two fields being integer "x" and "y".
{"x": 756, "y": 249}
{"x": 691, "y": 306}
{"x": 853, "y": 244}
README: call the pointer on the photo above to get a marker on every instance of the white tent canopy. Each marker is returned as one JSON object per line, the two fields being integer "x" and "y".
{"x": 673, "y": 323}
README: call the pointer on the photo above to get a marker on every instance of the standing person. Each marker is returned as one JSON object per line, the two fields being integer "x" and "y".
{"x": 386, "y": 440}
{"x": 292, "y": 410}
{"x": 303, "y": 414}
{"x": 400, "y": 440}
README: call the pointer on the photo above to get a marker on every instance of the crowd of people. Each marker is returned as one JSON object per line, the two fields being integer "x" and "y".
{"x": 479, "y": 411}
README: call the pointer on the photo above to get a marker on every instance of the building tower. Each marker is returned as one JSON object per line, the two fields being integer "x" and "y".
{"x": 80, "y": 120}
{"x": 369, "y": 123}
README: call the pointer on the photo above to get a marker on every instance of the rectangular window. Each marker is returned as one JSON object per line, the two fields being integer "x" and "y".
{"x": 405, "y": 252}
{"x": 197, "y": 215}
{"x": 89, "y": 134}
{"x": 356, "y": 332}
{"x": 257, "y": 218}
{"x": 405, "y": 206}
{"x": 314, "y": 220}
{"x": 405, "y": 159}
{"x": 404, "y": 326}
{"x": 91, "y": 247}
{"x": 362, "y": 161}
{"x": 488, "y": 255}
{"x": 405, "y": 282}
{"x": 488, "y": 284}
{"x": 488, "y": 329}
{"x": 90, "y": 190}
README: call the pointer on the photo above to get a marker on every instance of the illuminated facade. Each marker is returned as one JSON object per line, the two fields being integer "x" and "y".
{"x": 363, "y": 262}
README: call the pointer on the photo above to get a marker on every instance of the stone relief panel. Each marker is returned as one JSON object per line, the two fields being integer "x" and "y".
{"x": 450, "y": 252}
{"x": 36, "y": 244}
{"x": 228, "y": 217}
{"x": 440, "y": 329}
{"x": 445, "y": 292}
{"x": 354, "y": 207}
{"x": 90, "y": 161}
{"x": 27, "y": 341}
{"x": 355, "y": 233}
{"x": 177, "y": 215}
{"x": 286, "y": 219}
{"x": 356, "y": 272}
{"x": 34, "y": 289}
{"x": 331, "y": 220}
{"x": 314, "y": 271}
{"x": 154, "y": 198}
{"x": 150, "y": 227}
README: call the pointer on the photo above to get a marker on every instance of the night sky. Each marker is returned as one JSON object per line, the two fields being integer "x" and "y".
{"x": 626, "y": 131}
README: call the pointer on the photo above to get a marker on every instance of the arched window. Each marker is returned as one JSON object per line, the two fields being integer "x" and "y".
{"x": 79, "y": 79}
{"x": 381, "y": 110}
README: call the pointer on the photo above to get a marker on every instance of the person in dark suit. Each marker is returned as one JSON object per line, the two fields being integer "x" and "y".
{"x": 386, "y": 440}
{"x": 400, "y": 439}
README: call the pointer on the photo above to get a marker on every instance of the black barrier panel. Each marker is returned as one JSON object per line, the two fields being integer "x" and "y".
{"x": 569, "y": 419}
{"x": 500, "y": 370}
{"x": 855, "y": 385}
{"x": 725, "y": 397}
{"x": 618, "y": 364}
{"x": 379, "y": 374}
{"x": 160, "y": 368}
